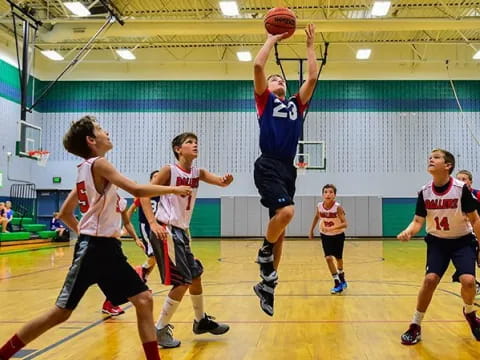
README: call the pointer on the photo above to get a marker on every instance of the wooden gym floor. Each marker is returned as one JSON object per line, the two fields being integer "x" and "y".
{"x": 363, "y": 323}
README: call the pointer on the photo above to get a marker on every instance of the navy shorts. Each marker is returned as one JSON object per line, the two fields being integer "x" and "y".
{"x": 275, "y": 181}
{"x": 175, "y": 260}
{"x": 461, "y": 251}
{"x": 99, "y": 260}
{"x": 333, "y": 245}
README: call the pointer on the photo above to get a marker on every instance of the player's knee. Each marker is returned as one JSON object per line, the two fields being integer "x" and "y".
{"x": 467, "y": 281}
{"x": 286, "y": 213}
{"x": 431, "y": 280}
{"x": 144, "y": 299}
{"x": 58, "y": 315}
{"x": 329, "y": 258}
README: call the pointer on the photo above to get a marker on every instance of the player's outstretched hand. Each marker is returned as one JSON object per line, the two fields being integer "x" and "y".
{"x": 310, "y": 31}
{"x": 276, "y": 38}
{"x": 404, "y": 235}
{"x": 226, "y": 179}
{"x": 182, "y": 190}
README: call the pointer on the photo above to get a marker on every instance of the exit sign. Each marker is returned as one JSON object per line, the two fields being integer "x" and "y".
{"x": 57, "y": 179}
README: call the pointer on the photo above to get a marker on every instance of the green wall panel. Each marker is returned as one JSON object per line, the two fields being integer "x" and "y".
{"x": 397, "y": 213}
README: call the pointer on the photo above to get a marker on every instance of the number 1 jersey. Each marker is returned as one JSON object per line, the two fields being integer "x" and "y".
{"x": 174, "y": 209}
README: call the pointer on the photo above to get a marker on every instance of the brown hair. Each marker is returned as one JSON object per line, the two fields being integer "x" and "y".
{"x": 180, "y": 139}
{"x": 466, "y": 172}
{"x": 330, "y": 186}
{"x": 449, "y": 158}
{"x": 75, "y": 140}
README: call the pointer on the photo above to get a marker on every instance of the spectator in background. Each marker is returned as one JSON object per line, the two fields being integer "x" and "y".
{"x": 57, "y": 225}
{"x": 10, "y": 212}
{"x": 3, "y": 217}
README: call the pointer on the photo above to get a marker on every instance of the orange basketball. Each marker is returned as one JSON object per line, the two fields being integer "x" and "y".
{"x": 280, "y": 20}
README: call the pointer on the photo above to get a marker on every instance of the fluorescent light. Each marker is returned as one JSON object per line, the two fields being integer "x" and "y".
{"x": 244, "y": 55}
{"x": 52, "y": 55}
{"x": 476, "y": 56}
{"x": 229, "y": 8}
{"x": 363, "y": 54}
{"x": 77, "y": 8}
{"x": 380, "y": 8}
{"x": 125, "y": 54}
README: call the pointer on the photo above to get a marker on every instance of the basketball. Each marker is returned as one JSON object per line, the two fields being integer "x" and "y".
{"x": 280, "y": 20}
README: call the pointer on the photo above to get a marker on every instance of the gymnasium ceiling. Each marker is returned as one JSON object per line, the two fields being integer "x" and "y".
{"x": 193, "y": 34}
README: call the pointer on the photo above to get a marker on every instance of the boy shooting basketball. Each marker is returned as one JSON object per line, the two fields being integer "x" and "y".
{"x": 98, "y": 257}
{"x": 448, "y": 208}
{"x": 281, "y": 123}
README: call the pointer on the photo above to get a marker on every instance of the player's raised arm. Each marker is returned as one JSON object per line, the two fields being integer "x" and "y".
{"x": 306, "y": 90}
{"x": 259, "y": 77}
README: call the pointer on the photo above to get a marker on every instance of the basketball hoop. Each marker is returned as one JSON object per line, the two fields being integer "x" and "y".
{"x": 41, "y": 156}
{"x": 301, "y": 168}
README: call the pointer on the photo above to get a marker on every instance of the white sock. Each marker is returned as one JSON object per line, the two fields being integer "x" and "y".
{"x": 340, "y": 271}
{"x": 169, "y": 308}
{"x": 336, "y": 277}
{"x": 197, "y": 303}
{"x": 418, "y": 317}
{"x": 469, "y": 308}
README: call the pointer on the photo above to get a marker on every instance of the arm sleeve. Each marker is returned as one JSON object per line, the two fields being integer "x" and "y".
{"x": 469, "y": 204}
{"x": 261, "y": 101}
{"x": 420, "y": 207}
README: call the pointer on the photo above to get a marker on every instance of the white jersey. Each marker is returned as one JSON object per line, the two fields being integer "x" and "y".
{"x": 330, "y": 218}
{"x": 174, "y": 209}
{"x": 445, "y": 218}
{"x": 101, "y": 212}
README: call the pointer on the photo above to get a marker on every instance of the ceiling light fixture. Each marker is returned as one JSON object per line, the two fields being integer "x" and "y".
{"x": 244, "y": 55}
{"x": 380, "y": 8}
{"x": 77, "y": 8}
{"x": 125, "y": 54}
{"x": 363, "y": 54}
{"x": 229, "y": 8}
{"x": 52, "y": 55}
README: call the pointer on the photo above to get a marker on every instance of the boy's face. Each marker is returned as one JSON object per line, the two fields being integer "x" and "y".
{"x": 101, "y": 141}
{"x": 465, "y": 179}
{"x": 277, "y": 86}
{"x": 437, "y": 164}
{"x": 328, "y": 194}
{"x": 188, "y": 149}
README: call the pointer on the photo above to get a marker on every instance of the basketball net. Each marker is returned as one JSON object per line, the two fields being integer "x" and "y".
{"x": 41, "y": 155}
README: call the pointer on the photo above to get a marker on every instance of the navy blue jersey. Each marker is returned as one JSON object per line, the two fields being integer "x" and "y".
{"x": 141, "y": 215}
{"x": 281, "y": 122}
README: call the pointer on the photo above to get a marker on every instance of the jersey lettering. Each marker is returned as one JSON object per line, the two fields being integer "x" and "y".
{"x": 291, "y": 108}
{"x": 82, "y": 197}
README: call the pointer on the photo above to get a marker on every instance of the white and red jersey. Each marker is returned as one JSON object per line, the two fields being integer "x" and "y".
{"x": 330, "y": 218}
{"x": 445, "y": 218}
{"x": 101, "y": 212}
{"x": 174, "y": 209}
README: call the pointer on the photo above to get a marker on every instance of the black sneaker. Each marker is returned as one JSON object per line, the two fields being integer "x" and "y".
{"x": 474, "y": 323}
{"x": 412, "y": 336}
{"x": 265, "y": 293}
{"x": 208, "y": 325}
